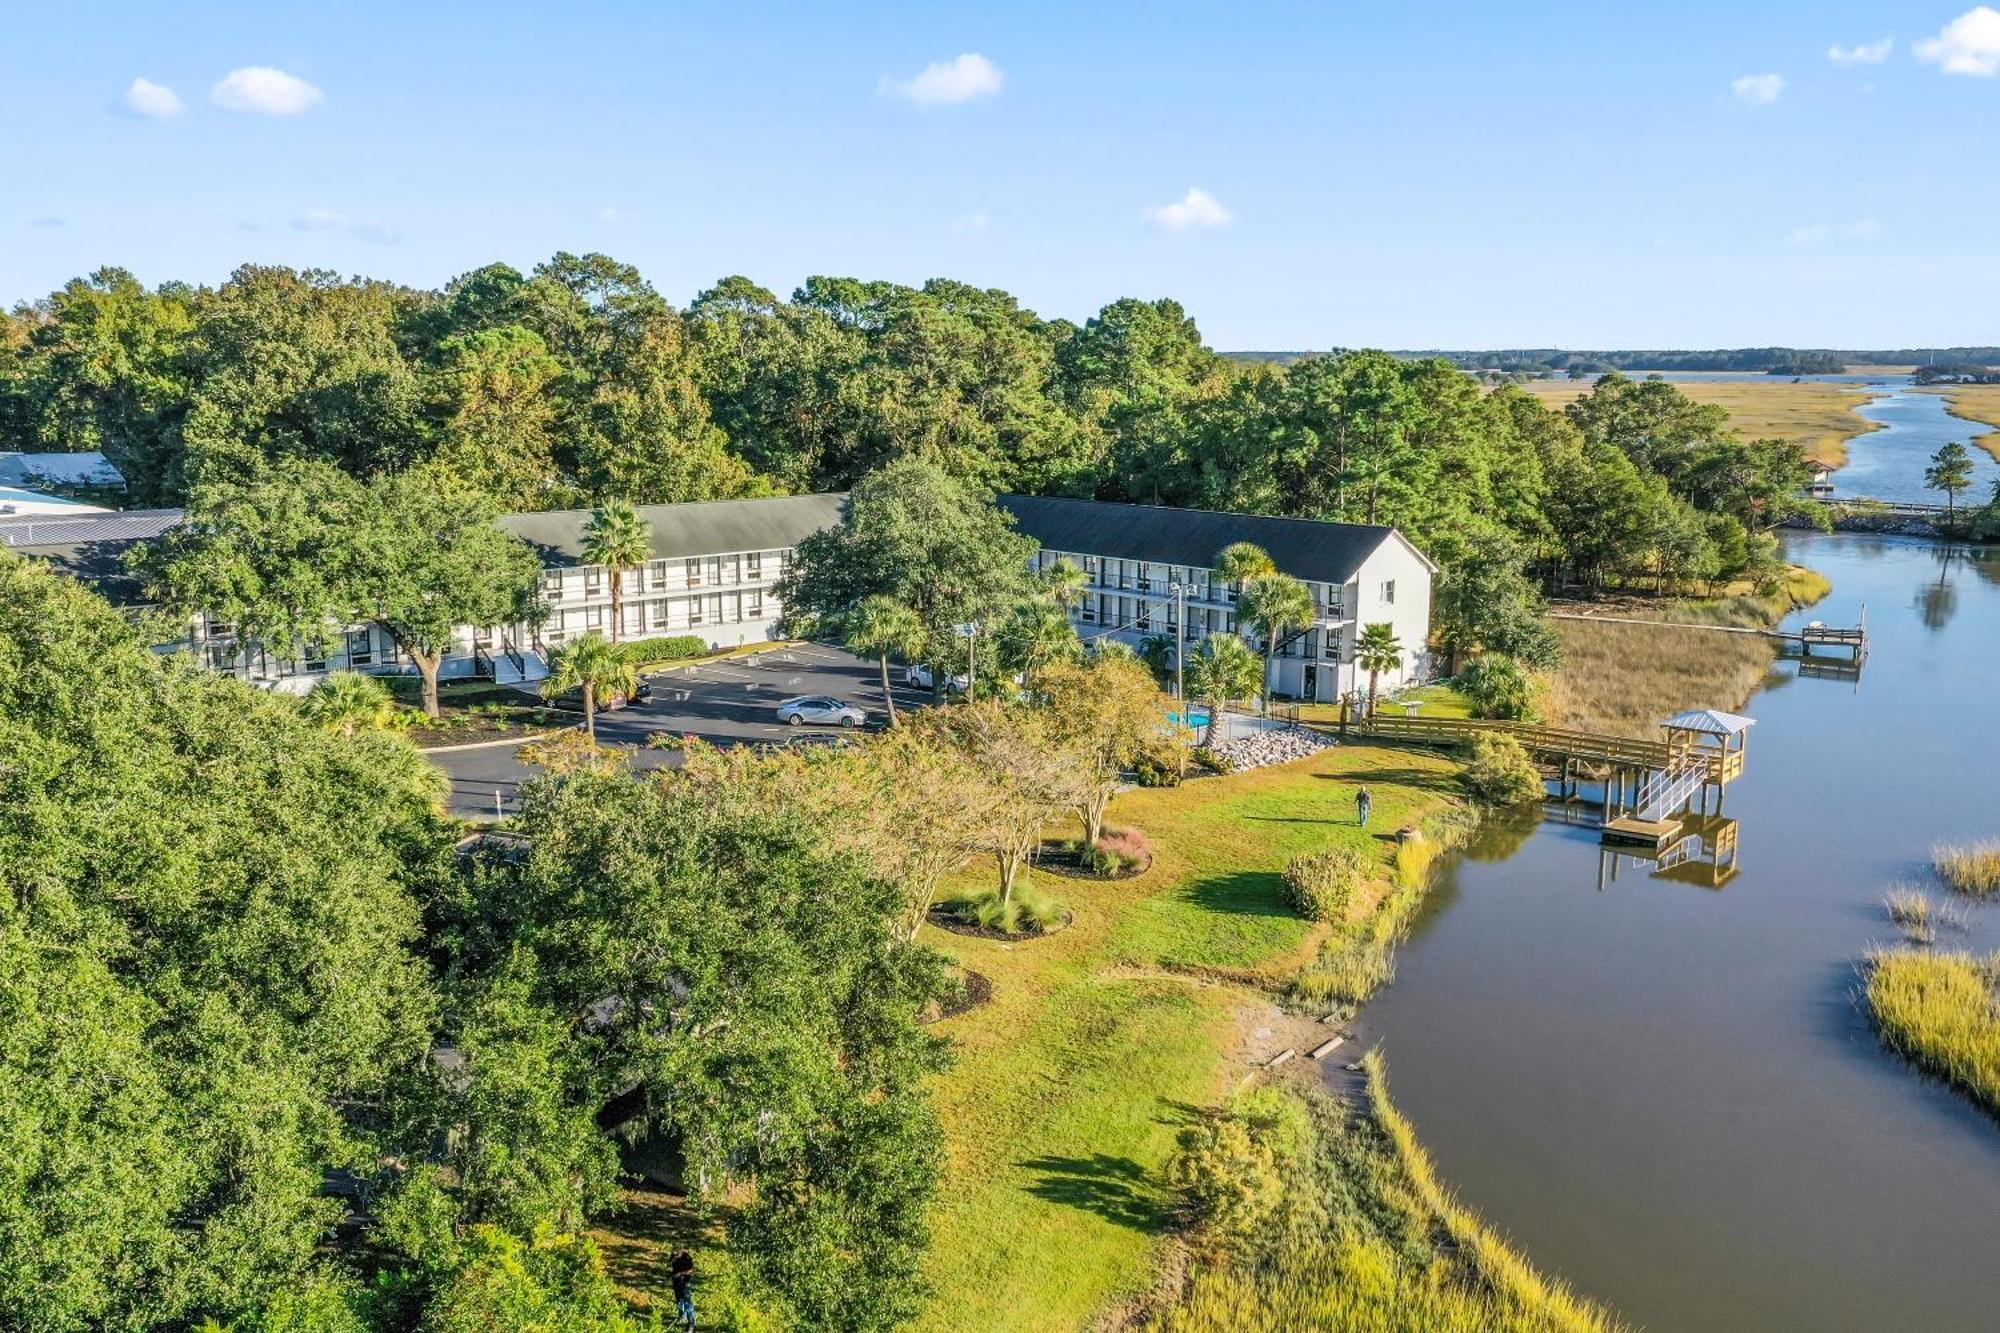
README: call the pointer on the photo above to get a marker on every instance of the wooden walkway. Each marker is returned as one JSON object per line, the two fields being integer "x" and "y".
{"x": 1852, "y": 640}
{"x": 1553, "y": 743}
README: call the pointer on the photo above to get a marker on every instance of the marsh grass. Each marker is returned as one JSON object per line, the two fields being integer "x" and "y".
{"x": 1910, "y": 908}
{"x": 1969, "y": 867}
{"x": 1365, "y": 1240}
{"x": 1623, "y": 679}
{"x": 1816, "y": 415}
{"x": 1979, "y": 403}
{"x": 1939, "y": 1010}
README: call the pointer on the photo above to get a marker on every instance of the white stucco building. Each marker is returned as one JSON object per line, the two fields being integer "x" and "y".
{"x": 714, "y": 567}
{"x": 1134, "y": 556}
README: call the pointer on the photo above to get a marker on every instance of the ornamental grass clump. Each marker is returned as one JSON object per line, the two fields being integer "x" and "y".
{"x": 1971, "y": 867}
{"x": 1121, "y": 851}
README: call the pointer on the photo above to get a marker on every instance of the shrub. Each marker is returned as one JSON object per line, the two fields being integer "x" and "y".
{"x": 673, "y": 648}
{"x": 1320, "y": 885}
{"x": 1499, "y": 772}
{"x": 1161, "y": 764}
{"x": 1497, "y": 686}
{"x": 1229, "y": 1169}
{"x": 1121, "y": 849}
{"x": 1208, "y": 761}
{"x": 1969, "y": 867}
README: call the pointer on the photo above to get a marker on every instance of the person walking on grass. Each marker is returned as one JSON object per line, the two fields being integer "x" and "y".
{"x": 683, "y": 1274}
{"x": 1362, "y": 803}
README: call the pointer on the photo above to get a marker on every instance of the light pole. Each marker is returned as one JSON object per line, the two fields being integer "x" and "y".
{"x": 1180, "y": 639}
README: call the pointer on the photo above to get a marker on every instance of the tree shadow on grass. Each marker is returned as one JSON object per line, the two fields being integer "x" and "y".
{"x": 1421, "y": 779}
{"x": 1242, "y": 893}
{"x": 1117, "y": 1189}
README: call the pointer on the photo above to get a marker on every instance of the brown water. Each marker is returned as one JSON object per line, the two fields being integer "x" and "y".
{"x": 1664, "y": 1092}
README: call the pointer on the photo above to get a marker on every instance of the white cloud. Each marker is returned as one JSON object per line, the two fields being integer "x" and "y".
{"x": 1196, "y": 208}
{"x": 610, "y": 214}
{"x": 264, "y": 91}
{"x": 146, "y": 98}
{"x": 963, "y": 78}
{"x": 326, "y": 219}
{"x": 1969, "y": 44}
{"x": 972, "y": 222}
{"x": 1758, "y": 89}
{"x": 1818, "y": 233}
{"x": 1861, "y": 53}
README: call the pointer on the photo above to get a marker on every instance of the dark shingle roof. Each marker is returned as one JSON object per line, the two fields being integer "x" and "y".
{"x": 1302, "y": 547}
{"x": 91, "y": 546}
{"x": 709, "y": 527}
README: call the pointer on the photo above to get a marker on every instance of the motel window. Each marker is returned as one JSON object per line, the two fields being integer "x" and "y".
{"x": 656, "y": 612}
{"x": 552, "y": 584}
{"x": 593, "y": 617}
{"x": 315, "y": 658}
{"x": 1388, "y": 592}
{"x": 593, "y": 581}
{"x": 694, "y": 611}
{"x": 360, "y": 648}
{"x": 1331, "y": 644}
{"x": 753, "y": 566}
{"x": 753, "y": 605}
{"x": 657, "y": 574}
{"x": 694, "y": 573}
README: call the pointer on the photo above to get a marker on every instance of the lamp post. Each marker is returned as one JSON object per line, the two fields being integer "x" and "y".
{"x": 1180, "y": 591}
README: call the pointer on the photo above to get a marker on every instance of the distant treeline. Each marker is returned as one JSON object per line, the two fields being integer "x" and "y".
{"x": 1766, "y": 360}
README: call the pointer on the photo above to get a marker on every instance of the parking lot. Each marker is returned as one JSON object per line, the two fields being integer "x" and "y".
{"x": 729, "y": 702}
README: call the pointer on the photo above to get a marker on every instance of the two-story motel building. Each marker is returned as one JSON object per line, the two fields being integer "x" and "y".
{"x": 714, "y": 567}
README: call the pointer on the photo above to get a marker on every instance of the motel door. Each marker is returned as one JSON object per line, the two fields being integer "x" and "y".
{"x": 1311, "y": 691}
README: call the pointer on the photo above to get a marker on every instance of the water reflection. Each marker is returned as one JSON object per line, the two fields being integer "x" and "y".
{"x": 1937, "y": 602}
{"x": 1705, "y": 855}
{"x": 1665, "y": 1094}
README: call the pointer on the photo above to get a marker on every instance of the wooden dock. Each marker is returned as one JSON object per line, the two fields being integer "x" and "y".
{"x": 1651, "y": 788}
{"x": 1848, "y": 644}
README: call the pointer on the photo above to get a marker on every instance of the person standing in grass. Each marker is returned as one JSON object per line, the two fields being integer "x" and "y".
{"x": 683, "y": 1274}
{"x": 1362, "y": 804}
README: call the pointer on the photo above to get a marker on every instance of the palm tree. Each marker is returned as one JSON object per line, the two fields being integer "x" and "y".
{"x": 1034, "y": 634}
{"x": 594, "y": 665}
{"x": 618, "y": 539}
{"x": 1064, "y": 583}
{"x": 1239, "y": 562}
{"x": 348, "y": 702}
{"x": 1273, "y": 605}
{"x": 1376, "y": 650}
{"x": 880, "y": 625}
{"x": 1221, "y": 670}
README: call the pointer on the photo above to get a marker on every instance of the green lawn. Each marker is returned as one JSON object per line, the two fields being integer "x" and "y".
{"x": 1071, "y": 1084}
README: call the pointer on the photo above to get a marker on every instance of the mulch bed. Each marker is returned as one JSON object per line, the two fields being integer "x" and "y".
{"x": 977, "y": 990}
{"x": 944, "y": 920}
{"x": 1061, "y": 858}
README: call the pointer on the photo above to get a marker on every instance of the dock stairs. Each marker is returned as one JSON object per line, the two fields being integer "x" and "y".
{"x": 1650, "y": 786}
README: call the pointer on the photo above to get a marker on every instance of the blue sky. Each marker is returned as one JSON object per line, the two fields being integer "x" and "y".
{"x": 1451, "y": 174}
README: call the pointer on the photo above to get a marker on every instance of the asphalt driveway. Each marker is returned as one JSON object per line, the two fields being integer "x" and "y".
{"x": 731, "y": 702}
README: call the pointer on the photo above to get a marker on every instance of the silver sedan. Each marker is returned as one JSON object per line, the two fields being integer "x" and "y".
{"x": 821, "y": 711}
